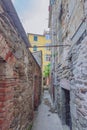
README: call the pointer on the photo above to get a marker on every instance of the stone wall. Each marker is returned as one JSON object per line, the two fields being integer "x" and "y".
{"x": 78, "y": 84}
{"x": 69, "y": 23}
{"x": 17, "y": 70}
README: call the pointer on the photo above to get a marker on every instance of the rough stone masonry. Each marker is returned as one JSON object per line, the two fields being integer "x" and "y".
{"x": 68, "y": 22}
{"x": 19, "y": 95}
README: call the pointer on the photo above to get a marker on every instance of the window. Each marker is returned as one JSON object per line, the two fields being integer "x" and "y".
{"x": 35, "y": 38}
{"x": 35, "y": 48}
{"x": 48, "y": 57}
{"x": 52, "y": 2}
{"x": 47, "y": 36}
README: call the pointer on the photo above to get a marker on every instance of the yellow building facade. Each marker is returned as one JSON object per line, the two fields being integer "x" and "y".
{"x": 41, "y": 43}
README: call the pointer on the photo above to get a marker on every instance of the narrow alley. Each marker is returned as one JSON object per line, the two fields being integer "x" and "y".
{"x": 46, "y": 117}
{"x": 43, "y": 65}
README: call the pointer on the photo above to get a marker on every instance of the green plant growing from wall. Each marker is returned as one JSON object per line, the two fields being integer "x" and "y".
{"x": 30, "y": 127}
{"x": 46, "y": 72}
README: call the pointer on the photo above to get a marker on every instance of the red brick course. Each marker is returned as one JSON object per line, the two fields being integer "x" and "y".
{"x": 19, "y": 90}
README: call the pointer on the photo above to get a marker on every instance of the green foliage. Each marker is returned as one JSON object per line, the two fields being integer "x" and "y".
{"x": 30, "y": 127}
{"x": 46, "y": 72}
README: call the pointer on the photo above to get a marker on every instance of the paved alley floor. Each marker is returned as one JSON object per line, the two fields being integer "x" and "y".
{"x": 46, "y": 118}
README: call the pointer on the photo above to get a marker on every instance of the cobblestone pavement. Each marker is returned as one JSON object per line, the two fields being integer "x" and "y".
{"x": 46, "y": 117}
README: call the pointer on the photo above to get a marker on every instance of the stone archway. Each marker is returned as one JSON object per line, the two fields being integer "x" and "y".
{"x": 6, "y": 95}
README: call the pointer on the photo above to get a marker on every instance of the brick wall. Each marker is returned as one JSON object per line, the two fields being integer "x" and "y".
{"x": 17, "y": 70}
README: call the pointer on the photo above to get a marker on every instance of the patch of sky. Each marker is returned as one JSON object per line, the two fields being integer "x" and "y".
{"x": 23, "y": 5}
